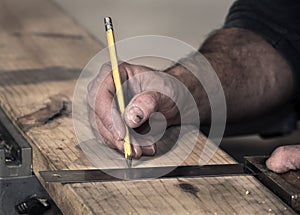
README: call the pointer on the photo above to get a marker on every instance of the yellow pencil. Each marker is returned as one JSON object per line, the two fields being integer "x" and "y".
{"x": 118, "y": 84}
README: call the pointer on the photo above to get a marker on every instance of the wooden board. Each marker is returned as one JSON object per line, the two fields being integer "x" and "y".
{"x": 42, "y": 52}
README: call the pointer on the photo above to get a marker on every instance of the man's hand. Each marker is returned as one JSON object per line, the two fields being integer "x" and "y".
{"x": 247, "y": 66}
{"x": 104, "y": 116}
{"x": 284, "y": 158}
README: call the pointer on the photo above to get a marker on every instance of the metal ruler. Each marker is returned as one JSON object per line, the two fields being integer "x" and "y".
{"x": 286, "y": 186}
{"x": 80, "y": 176}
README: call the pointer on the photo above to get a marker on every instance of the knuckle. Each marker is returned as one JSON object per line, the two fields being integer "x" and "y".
{"x": 90, "y": 85}
{"x": 123, "y": 65}
{"x": 280, "y": 151}
{"x": 106, "y": 67}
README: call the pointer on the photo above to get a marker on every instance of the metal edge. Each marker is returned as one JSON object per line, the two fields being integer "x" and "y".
{"x": 108, "y": 175}
{"x": 273, "y": 181}
{"x": 13, "y": 136}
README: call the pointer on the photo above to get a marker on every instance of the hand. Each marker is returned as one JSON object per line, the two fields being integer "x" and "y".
{"x": 104, "y": 116}
{"x": 284, "y": 158}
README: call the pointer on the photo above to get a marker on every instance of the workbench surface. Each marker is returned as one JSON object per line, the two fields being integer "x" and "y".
{"x": 42, "y": 52}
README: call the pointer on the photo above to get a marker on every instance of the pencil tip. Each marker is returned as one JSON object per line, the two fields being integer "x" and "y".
{"x": 129, "y": 162}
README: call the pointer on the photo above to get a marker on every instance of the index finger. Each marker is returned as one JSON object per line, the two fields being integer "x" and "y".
{"x": 101, "y": 100}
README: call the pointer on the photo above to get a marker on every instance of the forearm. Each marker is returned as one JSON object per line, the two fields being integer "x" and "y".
{"x": 255, "y": 77}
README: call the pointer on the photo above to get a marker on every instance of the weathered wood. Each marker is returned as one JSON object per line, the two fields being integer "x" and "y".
{"x": 42, "y": 52}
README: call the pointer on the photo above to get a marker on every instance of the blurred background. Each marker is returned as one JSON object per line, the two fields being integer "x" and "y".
{"x": 189, "y": 21}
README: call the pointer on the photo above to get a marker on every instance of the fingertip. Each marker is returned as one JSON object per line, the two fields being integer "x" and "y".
{"x": 149, "y": 150}
{"x": 276, "y": 163}
{"x": 269, "y": 163}
{"x": 137, "y": 151}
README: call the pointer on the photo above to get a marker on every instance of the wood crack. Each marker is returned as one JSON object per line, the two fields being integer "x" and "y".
{"x": 57, "y": 106}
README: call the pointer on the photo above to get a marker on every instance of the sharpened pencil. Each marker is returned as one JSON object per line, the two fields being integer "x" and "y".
{"x": 118, "y": 85}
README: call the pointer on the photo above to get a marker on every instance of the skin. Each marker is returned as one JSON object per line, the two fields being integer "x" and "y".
{"x": 256, "y": 80}
{"x": 284, "y": 158}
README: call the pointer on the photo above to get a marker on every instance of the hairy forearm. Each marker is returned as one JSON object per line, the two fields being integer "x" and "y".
{"x": 256, "y": 79}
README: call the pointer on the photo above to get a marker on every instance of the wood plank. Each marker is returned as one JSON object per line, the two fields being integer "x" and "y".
{"x": 42, "y": 52}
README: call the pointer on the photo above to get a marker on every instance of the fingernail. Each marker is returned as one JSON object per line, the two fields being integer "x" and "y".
{"x": 135, "y": 114}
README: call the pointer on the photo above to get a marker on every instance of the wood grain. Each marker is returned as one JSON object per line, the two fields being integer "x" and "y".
{"x": 42, "y": 52}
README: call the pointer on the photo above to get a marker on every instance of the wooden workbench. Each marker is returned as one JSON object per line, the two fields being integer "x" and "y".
{"x": 42, "y": 52}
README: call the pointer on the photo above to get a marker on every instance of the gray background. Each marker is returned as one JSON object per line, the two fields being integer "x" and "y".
{"x": 189, "y": 21}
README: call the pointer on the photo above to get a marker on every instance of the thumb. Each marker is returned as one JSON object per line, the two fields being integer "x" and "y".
{"x": 141, "y": 107}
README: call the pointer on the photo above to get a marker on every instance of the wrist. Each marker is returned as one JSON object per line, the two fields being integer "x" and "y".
{"x": 186, "y": 71}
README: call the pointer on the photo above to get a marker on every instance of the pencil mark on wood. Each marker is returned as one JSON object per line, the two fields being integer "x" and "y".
{"x": 58, "y": 106}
